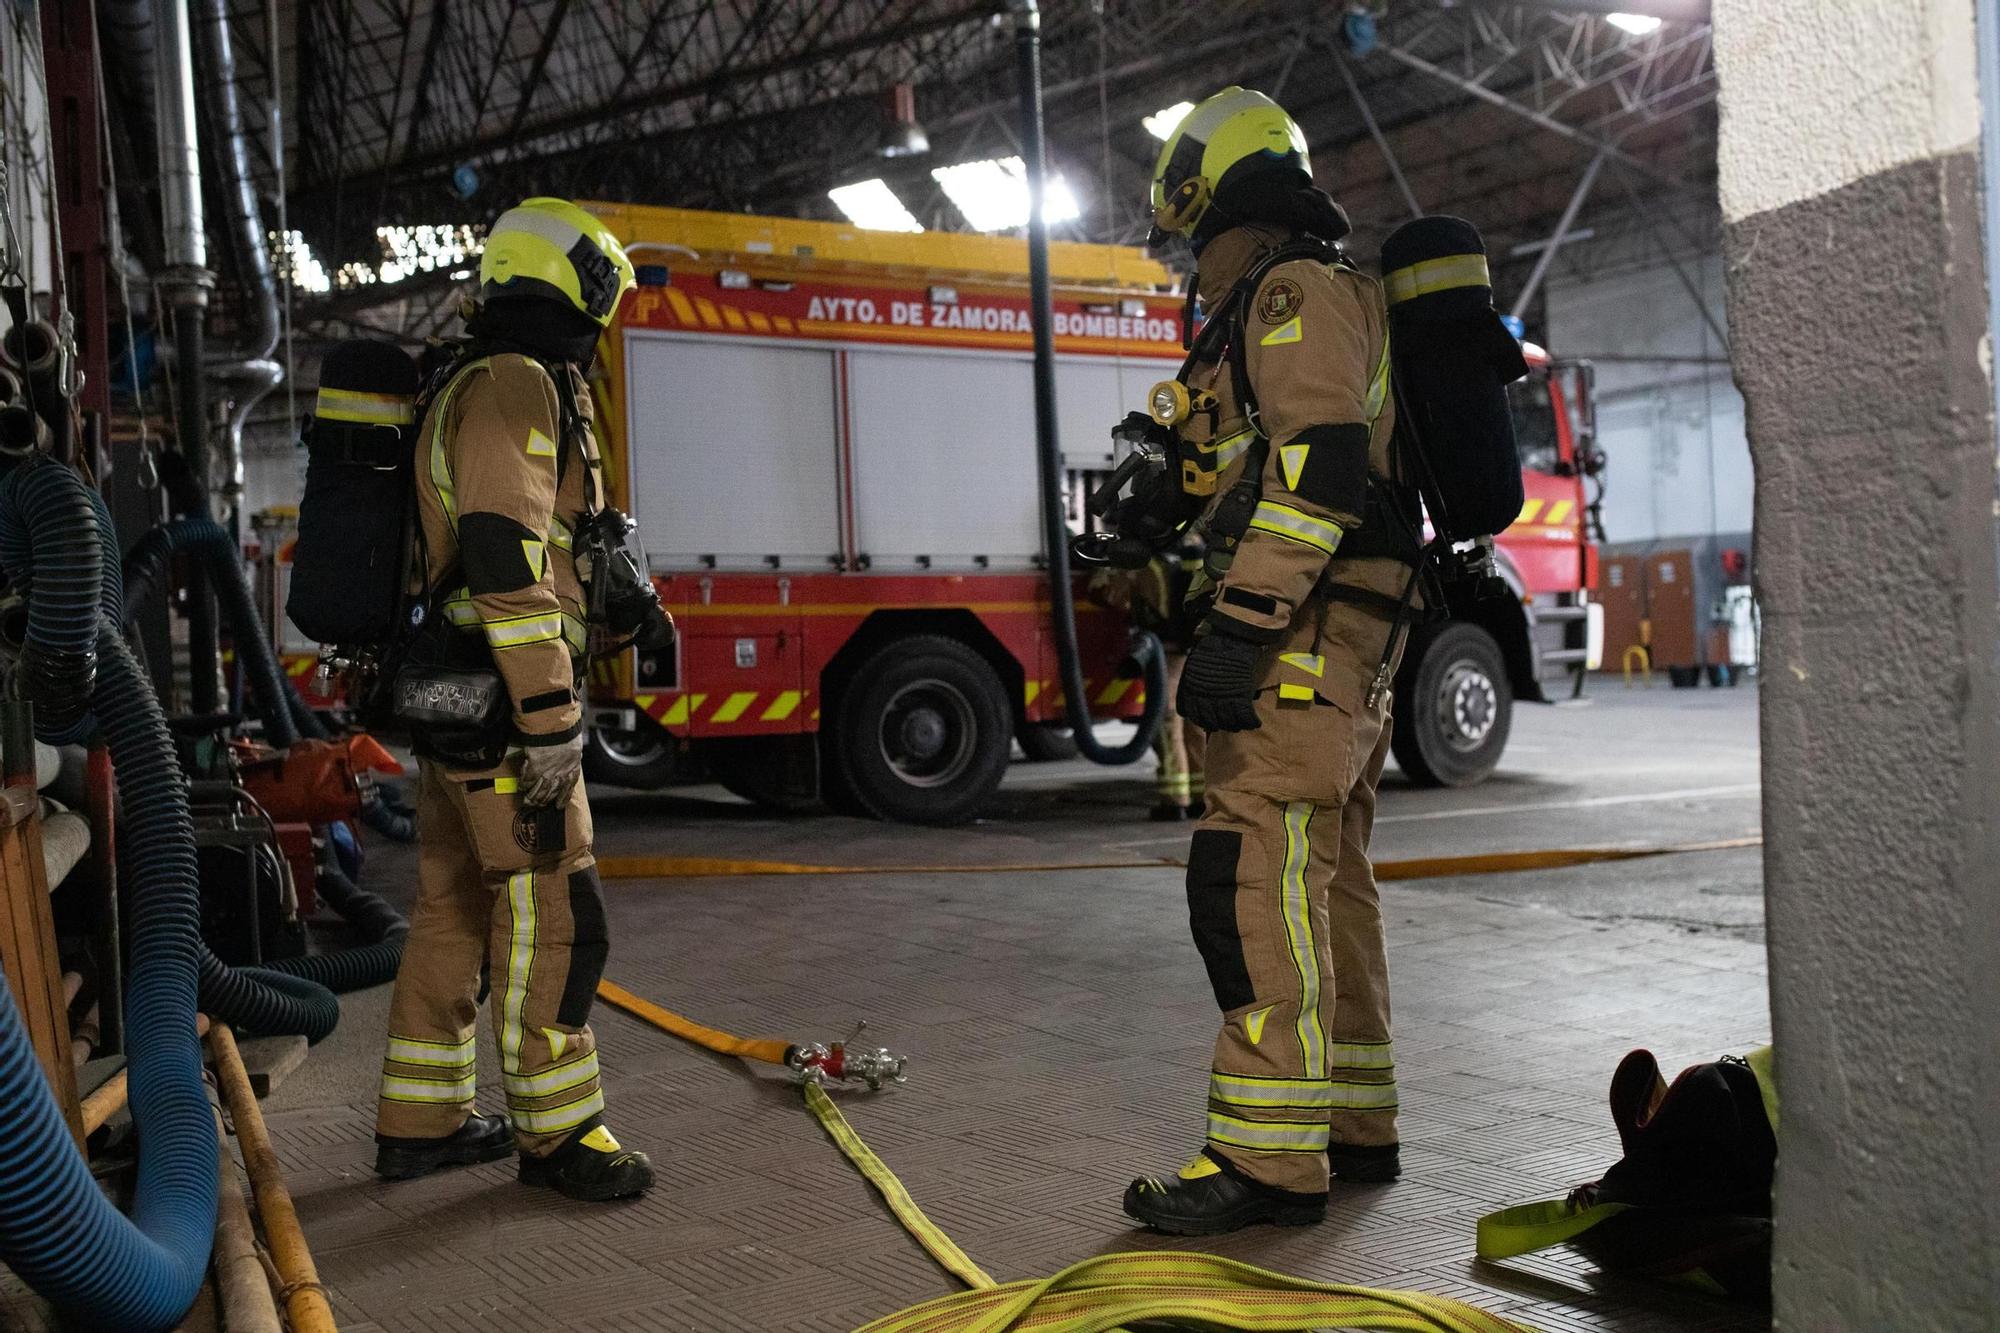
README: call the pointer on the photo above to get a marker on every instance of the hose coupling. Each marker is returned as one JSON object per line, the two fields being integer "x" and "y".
{"x": 845, "y": 1062}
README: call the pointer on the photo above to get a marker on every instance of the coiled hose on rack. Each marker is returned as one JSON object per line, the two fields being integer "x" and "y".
{"x": 50, "y": 545}
{"x": 208, "y": 541}
{"x": 57, "y": 1228}
{"x": 370, "y": 964}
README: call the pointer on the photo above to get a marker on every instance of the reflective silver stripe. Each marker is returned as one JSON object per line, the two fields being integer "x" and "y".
{"x": 1361, "y": 1055}
{"x": 559, "y": 534}
{"x": 460, "y": 611}
{"x": 1378, "y": 388}
{"x": 1269, "y": 1135}
{"x": 1233, "y": 448}
{"x": 554, "y": 230}
{"x": 519, "y": 631}
{"x": 575, "y": 633}
{"x": 398, "y": 1089}
{"x": 520, "y": 959}
{"x": 1237, "y": 1090}
{"x": 559, "y": 1078}
{"x": 1299, "y": 936}
{"x": 1364, "y": 1096}
{"x": 562, "y": 1117}
{"x": 1287, "y": 522}
{"x": 439, "y": 1054}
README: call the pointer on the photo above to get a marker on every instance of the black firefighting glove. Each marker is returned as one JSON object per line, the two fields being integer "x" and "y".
{"x": 1219, "y": 682}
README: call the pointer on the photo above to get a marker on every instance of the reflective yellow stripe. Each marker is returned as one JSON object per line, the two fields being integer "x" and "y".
{"x": 1228, "y": 449}
{"x": 1558, "y": 512}
{"x": 559, "y": 536}
{"x": 1291, "y": 331}
{"x": 782, "y": 707}
{"x": 520, "y": 961}
{"x": 1529, "y": 508}
{"x": 1250, "y": 1090}
{"x": 1298, "y": 934}
{"x": 1034, "y": 688}
{"x": 1364, "y": 1096}
{"x": 1437, "y": 275}
{"x": 396, "y": 1088}
{"x": 681, "y": 709}
{"x": 440, "y": 468}
{"x": 1378, "y": 388}
{"x": 1287, "y": 522}
{"x": 560, "y": 1078}
{"x": 1287, "y": 690}
{"x": 518, "y": 631}
{"x": 732, "y": 707}
{"x": 375, "y": 409}
{"x": 506, "y": 786}
{"x": 1362, "y": 1055}
{"x": 442, "y": 1054}
{"x": 575, "y": 633}
{"x": 1269, "y": 1135}
{"x": 558, "y": 1119}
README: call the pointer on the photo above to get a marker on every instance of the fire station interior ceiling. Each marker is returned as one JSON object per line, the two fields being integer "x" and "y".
{"x": 444, "y": 111}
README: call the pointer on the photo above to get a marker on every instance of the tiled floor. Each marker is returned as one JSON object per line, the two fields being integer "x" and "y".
{"x": 1058, "y": 1026}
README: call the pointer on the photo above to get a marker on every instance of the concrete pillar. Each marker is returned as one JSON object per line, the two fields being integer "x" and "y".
{"x": 1851, "y": 192}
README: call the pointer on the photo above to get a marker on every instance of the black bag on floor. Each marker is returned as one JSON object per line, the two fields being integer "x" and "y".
{"x": 1453, "y": 361}
{"x": 351, "y": 563}
{"x": 1690, "y": 1201}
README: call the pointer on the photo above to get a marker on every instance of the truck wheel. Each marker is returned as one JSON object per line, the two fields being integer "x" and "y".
{"x": 642, "y": 759}
{"x": 1046, "y": 742}
{"x": 924, "y": 732}
{"x": 1454, "y": 706}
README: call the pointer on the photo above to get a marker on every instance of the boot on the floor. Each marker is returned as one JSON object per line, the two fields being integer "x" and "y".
{"x": 1207, "y": 1198}
{"x": 589, "y": 1165}
{"x": 1364, "y": 1164}
{"x": 482, "y": 1138}
{"x": 1167, "y": 812}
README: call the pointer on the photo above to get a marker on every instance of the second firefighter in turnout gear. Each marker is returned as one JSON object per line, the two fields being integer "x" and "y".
{"x": 507, "y": 473}
{"x": 1281, "y": 424}
{"x": 1154, "y": 596}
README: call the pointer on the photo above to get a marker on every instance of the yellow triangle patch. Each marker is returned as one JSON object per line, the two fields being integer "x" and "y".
{"x": 1202, "y": 1165}
{"x": 534, "y": 550}
{"x": 557, "y": 1042}
{"x": 600, "y": 1140}
{"x": 1291, "y": 331}
{"x": 541, "y": 446}
{"x": 1311, "y": 663}
{"x": 1292, "y": 459}
{"x": 1253, "y": 1025}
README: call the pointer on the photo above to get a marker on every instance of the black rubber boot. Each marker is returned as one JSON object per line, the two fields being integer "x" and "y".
{"x": 482, "y": 1138}
{"x": 589, "y": 1165}
{"x": 1209, "y": 1197}
{"x": 1365, "y": 1164}
{"x": 1166, "y": 812}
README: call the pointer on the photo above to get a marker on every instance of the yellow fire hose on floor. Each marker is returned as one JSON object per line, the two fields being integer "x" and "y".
{"x": 1096, "y": 1296}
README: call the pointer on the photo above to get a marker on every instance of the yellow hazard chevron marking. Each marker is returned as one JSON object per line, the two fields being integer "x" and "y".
{"x": 1292, "y": 458}
{"x": 683, "y": 308}
{"x": 1113, "y": 692}
{"x": 1558, "y": 512}
{"x": 1291, "y": 331}
{"x": 1034, "y": 688}
{"x": 709, "y": 315}
{"x": 677, "y": 712}
{"x": 540, "y": 445}
{"x": 1528, "y": 511}
{"x": 732, "y": 707}
{"x": 534, "y": 550}
{"x": 782, "y": 707}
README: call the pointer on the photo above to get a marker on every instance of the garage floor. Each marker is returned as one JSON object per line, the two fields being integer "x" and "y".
{"x": 1058, "y": 1025}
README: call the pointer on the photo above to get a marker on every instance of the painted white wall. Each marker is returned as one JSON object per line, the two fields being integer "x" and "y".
{"x": 1679, "y": 458}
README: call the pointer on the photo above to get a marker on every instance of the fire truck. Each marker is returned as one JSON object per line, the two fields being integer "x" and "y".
{"x": 826, "y": 438}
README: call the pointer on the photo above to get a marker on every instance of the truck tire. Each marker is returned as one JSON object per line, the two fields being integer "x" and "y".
{"x": 923, "y": 732}
{"x": 1453, "y": 706}
{"x": 1046, "y": 742}
{"x": 642, "y": 759}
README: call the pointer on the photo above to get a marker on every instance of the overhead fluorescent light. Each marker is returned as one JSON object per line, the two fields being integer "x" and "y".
{"x": 871, "y": 204}
{"x": 1162, "y": 123}
{"x": 1639, "y": 25}
{"x": 993, "y": 194}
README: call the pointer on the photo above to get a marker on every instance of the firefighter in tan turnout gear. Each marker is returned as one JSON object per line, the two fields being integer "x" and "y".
{"x": 507, "y": 470}
{"x": 1281, "y": 426}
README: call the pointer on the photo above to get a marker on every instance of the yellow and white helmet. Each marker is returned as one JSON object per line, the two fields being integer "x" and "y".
{"x": 550, "y": 247}
{"x": 1235, "y": 134}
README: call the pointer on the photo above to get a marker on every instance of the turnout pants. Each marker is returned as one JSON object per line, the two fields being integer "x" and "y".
{"x": 1178, "y": 746}
{"x": 517, "y": 890}
{"x": 1283, "y": 906}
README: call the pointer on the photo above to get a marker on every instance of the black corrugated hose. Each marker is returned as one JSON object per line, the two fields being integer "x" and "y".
{"x": 371, "y": 964}
{"x": 211, "y": 543}
{"x": 50, "y": 543}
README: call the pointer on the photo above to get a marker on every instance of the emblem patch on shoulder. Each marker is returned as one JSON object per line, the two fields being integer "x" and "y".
{"x": 1279, "y": 301}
